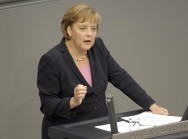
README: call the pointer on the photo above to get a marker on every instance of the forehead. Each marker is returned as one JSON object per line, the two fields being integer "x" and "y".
{"x": 86, "y": 22}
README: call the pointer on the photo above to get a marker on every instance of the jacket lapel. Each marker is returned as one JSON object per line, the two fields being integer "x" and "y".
{"x": 70, "y": 62}
{"x": 92, "y": 67}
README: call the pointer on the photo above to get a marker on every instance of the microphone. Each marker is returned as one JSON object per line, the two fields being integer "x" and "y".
{"x": 111, "y": 113}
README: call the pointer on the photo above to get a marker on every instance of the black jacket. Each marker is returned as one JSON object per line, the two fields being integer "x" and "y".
{"x": 58, "y": 75}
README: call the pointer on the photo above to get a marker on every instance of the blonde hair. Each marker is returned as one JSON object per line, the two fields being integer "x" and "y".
{"x": 78, "y": 12}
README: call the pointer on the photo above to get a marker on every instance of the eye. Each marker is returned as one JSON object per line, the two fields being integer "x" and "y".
{"x": 94, "y": 28}
{"x": 82, "y": 28}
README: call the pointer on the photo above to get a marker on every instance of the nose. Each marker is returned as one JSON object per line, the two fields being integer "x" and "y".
{"x": 89, "y": 32}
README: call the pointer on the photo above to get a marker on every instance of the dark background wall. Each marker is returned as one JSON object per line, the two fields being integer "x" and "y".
{"x": 148, "y": 38}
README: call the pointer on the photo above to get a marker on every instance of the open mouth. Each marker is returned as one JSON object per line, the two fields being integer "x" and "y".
{"x": 87, "y": 41}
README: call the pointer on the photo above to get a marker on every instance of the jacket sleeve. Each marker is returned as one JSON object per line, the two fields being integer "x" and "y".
{"x": 123, "y": 81}
{"x": 49, "y": 89}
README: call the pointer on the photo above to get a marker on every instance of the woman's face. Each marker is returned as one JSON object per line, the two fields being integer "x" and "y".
{"x": 83, "y": 34}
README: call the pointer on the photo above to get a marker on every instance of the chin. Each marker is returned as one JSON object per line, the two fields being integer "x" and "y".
{"x": 87, "y": 48}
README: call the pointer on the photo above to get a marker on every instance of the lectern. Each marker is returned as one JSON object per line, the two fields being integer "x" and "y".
{"x": 178, "y": 130}
{"x": 87, "y": 130}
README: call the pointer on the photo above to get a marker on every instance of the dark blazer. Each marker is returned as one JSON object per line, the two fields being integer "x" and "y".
{"x": 58, "y": 75}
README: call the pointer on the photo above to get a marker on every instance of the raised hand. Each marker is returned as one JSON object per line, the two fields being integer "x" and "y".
{"x": 79, "y": 94}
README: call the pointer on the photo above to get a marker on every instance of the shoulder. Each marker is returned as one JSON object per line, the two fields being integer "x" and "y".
{"x": 53, "y": 51}
{"x": 99, "y": 41}
{"x": 50, "y": 55}
{"x": 100, "y": 45}
{"x": 56, "y": 50}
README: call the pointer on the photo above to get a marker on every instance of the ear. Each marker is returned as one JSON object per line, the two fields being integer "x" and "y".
{"x": 69, "y": 31}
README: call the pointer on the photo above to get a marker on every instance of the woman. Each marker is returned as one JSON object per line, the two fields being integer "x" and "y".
{"x": 73, "y": 75}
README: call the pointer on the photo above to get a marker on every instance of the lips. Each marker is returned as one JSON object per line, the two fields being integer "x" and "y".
{"x": 87, "y": 41}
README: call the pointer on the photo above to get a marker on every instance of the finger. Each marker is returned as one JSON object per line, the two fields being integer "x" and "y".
{"x": 81, "y": 95}
{"x": 165, "y": 112}
{"x": 81, "y": 89}
{"x": 161, "y": 111}
{"x": 80, "y": 86}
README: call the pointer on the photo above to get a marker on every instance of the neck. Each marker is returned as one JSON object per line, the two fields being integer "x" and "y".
{"x": 78, "y": 55}
{"x": 75, "y": 52}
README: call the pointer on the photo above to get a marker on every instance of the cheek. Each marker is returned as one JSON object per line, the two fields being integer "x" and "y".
{"x": 78, "y": 35}
{"x": 93, "y": 40}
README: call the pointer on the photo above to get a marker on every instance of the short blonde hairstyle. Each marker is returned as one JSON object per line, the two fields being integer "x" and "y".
{"x": 78, "y": 12}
